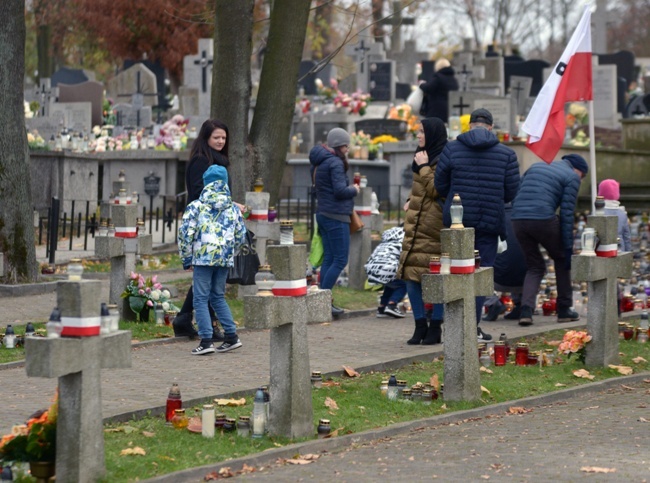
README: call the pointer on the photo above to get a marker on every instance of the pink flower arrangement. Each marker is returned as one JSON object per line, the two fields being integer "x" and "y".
{"x": 574, "y": 342}
{"x": 144, "y": 292}
{"x": 356, "y": 102}
{"x": 176, "y": 126}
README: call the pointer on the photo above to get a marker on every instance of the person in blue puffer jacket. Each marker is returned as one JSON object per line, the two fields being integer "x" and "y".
{"x": 335, "y": 197}
{"x": 544, "y": 189}
{"x": 485, "y": 174}
{"x": 211, "y": 232}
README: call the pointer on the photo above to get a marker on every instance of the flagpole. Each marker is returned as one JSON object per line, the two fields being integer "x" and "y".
{"x": 592, "y": 155}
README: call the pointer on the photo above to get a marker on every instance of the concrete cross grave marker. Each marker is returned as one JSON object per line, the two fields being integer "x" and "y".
{"x": 122, "y": 249}
{"x": 396, "y": 21}
{"x": 360, "y": 241}
{"x": 45, "y": 95}
{"x": 458, "y": 108}
{"x": 520, "y": 91}
{"x": 134, "y": 116}
{"x": 458, "y": 291}
{"x": 287, "y": 313}
{"x": 601, "y": 273}
{"x": 364, "y": 53}
{"x": 77, "y": 363}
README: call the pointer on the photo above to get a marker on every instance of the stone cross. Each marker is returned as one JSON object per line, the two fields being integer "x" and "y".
{"x": 360, "y": 242}
{"x": 460, "y": 105}
{"x": 77, "y": 363}
{"x": 137, "y": 99}
{"x": 365, "y": 54}
{"x": 204, "y": 63}
{"x": 122, "y": 250}
{"x": 601, "y": 273}
{"x": 45, "y": 95}
{"x": 465, "y": 73}
{"x": 395, "y": 20}
{"x": 458, "y": 292}
{"x": 287, "y": 313}
{"x": 197, "y": 73}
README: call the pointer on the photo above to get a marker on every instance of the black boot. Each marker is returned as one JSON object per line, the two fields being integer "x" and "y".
{"x": 420, "y": 332}
{"x": 183, "y": 327}
{"x": 434, "y": 333}
{"x": 494, "y": 311}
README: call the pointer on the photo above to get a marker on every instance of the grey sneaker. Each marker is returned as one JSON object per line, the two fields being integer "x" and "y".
{"x": 205, "y": 347}
{"x": 229, "y": 345}
{"x": 394, "y": 311}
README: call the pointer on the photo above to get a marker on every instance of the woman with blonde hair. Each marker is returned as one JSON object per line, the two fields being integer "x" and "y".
{"x": 436, "y": 91}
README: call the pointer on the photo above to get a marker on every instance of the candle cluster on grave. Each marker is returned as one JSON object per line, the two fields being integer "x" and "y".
{"x": 395, "y": 389}
{"x": 502, "y": 352}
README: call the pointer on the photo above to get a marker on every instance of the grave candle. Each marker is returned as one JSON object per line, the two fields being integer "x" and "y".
{"x": 105, "y": 320}
{"x": 54, "y": 326}
{"x": 323, "y": 428}
{"x": 75, "y": 270}
{"x": 316, "y": 379}
{"x": 244, "y": 426}
{"x": 500, "y": 353}
{"x": 456, "y": 212}
{"x": 521, "y": 354}
{"x": 174, "y": 402}
{"x": 434, "y": 264}
{"x": 445, "y": 264}
{"x": 392, "y": 392}
{"x": 286, "y": 232}
{"x": 207, "y": 421}
{"x": 259, "y": 418}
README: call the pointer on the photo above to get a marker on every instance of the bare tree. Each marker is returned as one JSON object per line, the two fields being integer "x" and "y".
{"x": 16, "y": 214}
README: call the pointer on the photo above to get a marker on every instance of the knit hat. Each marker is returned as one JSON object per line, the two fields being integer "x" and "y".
{"x": 215, "y": 173}
{"x": 481, "y": 115}
{"x": 609, "y": 189}
{"x": 441, "y": 64}
{"x": 338, "y": 137}
{"x": 578, "y": 162}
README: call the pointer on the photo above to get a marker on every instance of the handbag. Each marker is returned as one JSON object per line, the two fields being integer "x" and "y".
{"x": 316, "y": 250}
{"x": 355, "y": 222}
{"x": 415, "y": 99}
{"x": 246, "y": 263}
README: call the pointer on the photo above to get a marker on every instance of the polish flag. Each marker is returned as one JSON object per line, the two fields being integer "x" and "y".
{"x": 571, "y": 80}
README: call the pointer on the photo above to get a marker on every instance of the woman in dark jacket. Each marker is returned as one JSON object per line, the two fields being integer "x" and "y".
{"x": 436, "y": 91}
{"x": 210, "y": 147}
{"x": 422, "y": 229}
{"x": 335, "y": 205}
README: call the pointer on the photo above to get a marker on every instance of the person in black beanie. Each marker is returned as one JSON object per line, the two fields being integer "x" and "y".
{"x": 209, "y": 148}
{"x": 545, "y": 188}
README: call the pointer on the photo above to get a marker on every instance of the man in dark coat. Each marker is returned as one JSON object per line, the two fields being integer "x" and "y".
{"x": 485, "y": 174}
{"x": 544, "y": 189}
{"x": 436, "y": 91}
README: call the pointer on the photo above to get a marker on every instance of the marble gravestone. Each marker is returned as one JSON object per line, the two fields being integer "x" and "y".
{"x": 137, "y": 79}
{"x": 89, "y": 91}
{"x": 77, "y": 116}
{"x": 197, "y": 73}
{"x": 520, "y": 92}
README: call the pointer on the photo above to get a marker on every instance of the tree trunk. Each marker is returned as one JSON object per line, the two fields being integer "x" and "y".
{"x": 271, "y": 127}
{"x": 16, "y": 214}
{"x": 231, "y": 85}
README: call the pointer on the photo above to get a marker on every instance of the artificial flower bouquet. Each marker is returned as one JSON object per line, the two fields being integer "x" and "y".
{"x": 574, "y": 343}
{"x": 146, "y": 293}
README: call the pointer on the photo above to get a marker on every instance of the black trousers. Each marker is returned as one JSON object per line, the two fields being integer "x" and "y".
{"x": 547, "y": 233}
{"x": 188, "y": 305}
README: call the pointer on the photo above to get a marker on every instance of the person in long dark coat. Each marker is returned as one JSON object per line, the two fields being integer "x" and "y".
{"x": 436, "y": 91}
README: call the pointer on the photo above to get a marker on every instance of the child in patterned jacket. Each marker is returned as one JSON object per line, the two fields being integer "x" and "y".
{"x": 211, "y": 233}
{"x": 381, "y": 268}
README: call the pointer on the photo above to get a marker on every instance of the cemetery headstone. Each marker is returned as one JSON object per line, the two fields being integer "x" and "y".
{"x": 77, "y": 116}
{"x": 528, "y": 68}
{"x": 189, "y": 101}
{"x": 360, "y": 242}
{"x": 45, "y": 95}
{"x": 197, "y": 73}
{"x": 624, "y": 61}
{"x": 377, "y": 127}
{"x": 520, "y": 92}
{"x": 381, "y": 81}
{"x": 492, "y": 80}
{"x": 90, "y": 91}
{"x": 307, "y": 83}
{"x": 160, "y": 73}
{"x": 406, "y": 62}
{"x": 69, "y": 76}
{"x": 396, "y": 21}
{"x": 503, "y": 109}
{"x": 136, "y": 81}
{"x": 636, "y": 108}
{"x": 364, "y": 53}
{"x": 48, "y": 126}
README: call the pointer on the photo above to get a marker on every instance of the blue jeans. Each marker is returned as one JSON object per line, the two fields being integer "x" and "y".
{"x": 210, "y": 286}
{"x": 336, "y": 247}
{"x": 487, "y": 245}
{"x": 414, "y": 290}
{"x": 393, "y": 293}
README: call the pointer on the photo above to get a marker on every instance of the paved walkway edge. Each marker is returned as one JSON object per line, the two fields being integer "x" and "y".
{"x": 329, "y": 445}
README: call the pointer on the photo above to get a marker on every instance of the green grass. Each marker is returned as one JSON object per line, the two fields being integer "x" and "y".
{"x": 149, "y": 263}
{"x": 360, "y": 407}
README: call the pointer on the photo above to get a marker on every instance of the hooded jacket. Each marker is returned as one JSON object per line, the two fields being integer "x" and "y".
{"x": 212, "y": 229}
{"x": 333, "y": 190}
{"x": 436, "y": 101}
{"x": 485, "y": 174}
{"x": 544, "y": 189}
{"x": 423, "y": 220}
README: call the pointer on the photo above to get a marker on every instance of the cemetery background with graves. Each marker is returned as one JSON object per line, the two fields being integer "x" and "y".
{"x": 83, "y": 133}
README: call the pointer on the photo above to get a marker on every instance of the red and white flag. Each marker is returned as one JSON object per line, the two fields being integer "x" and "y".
{"x": 571, "y": 80}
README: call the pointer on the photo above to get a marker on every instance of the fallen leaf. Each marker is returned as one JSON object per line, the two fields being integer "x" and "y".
{"x": 484, "y": 389}
{"x": 625, "y": 370}
{"x": 362, "y": 408}
{"x": 554, "y": 342}
{"x": 435, "y": 383}
{"x": 148, "y": 434}
{"x": 643, "y": 420}
{"x": 444, "y": 406}
{"x": 559, "y": 384}
{"x": 485, "y": 369}
{"x": 226, "y": 472}
{"x": 299, "y": 461}
{"x": 485, "y": 477}
{"x": 330, "y": 403}
{"x": 230, "y": 402}
{"x": 133, "y": 451}
{"x": 114, "y": 430}
{"x": 247, "y": 469}
{"x": 334, "y": 434}
{"x": 583, "y": 373}
{"x": 412, "y": 458}
{"x": 596, "y": 469}
{"x": 518, "y": 410}
{"x": 168, "y": 458}
{"x": 350, "y": 372}
{"x": 310, "y": 456}
{"x": 331, "y": 383}
{"x": 638, "y": 360}
{"x": 326, "y": 323}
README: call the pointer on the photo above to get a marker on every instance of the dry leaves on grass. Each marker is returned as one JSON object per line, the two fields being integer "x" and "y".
{"x": 484, "y": 389}
{"x": 133, "y": 451}
{"x": 350, "y": 372}
{"x": 518, "y": 410}
{"x": 596, "y": 469}
{"x": 584, "y": 374}
{"x": 638, "y": 360}
{"x": 559, "y": 384}
{"x": 121, "y": 429}
{"x": 485, "y": 369}
{"x": 331, "y": 403}
{"x": 625, "y": 370}
{"x": 230, "y": 402}
{"x": 331, "y": 383}
{"x": 643, "y": 420}
{"x": 148, "y": 434}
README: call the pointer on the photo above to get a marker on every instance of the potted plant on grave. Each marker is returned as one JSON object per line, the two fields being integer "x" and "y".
{"x": 144, "y": 293}
{"x": 33, "y": 442}
{"x": 361, "y": 142}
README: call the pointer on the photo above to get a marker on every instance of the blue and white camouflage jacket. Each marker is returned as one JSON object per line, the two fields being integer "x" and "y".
{"x": 212, "y": 230}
